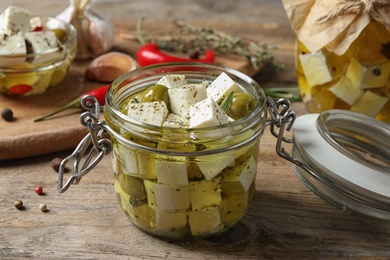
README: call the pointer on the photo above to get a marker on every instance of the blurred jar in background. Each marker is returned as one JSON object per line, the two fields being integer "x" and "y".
{"x": 343, "y": 55}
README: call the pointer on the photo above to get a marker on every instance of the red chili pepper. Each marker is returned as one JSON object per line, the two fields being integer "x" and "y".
{"x": 150, "y": 53}
{"x": 38, "y": 29}
{"x": 20, "y": 89}
{"x": 98, "y": 93}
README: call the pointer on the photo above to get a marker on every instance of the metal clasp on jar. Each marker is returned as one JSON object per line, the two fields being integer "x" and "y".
{"x": 84, "y": 159}
{"x": 282, "y": 117}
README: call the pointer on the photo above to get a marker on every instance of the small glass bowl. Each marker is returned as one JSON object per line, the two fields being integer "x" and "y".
{"x": 31, "y": 74}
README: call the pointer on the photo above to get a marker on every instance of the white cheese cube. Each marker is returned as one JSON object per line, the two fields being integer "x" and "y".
{"x": 170, "y": 222}
{"x": 12, "y": 45}
{"x": 146, "y": 165}
{"x": 346, "y": 90}
{"x": 43, "y": 44}
{"x": 370, "y": 104}
{"x": 128, "y": 159}
{"x": 221, "y": 87}
{"x": 207, "y": 113}
{"x": 172, "y": 173}
{"x": 165, "y": 197}
{"x": 203, "y": 221}
{"x": 212, "y": 165}
{"x": 243, "y": 176}
{"x": 15, "y": 20}
{"x": 173, "y": 81}
{"x": 182, "y": 98}
{"x": 315, "y": 68}
{"x": 153, "y": 113}
{"x": 369, "y": 75}
{"x": 205, "y": 193}
{"x": 176, "y": 121}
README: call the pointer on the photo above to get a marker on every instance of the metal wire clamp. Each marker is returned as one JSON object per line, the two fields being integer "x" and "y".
{"x": 85, "y": 159}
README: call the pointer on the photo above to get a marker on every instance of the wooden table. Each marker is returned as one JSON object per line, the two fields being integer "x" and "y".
{"x": 285, "y": 221}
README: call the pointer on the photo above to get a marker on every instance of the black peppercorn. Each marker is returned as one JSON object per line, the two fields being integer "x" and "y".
{"x": 7, "y": 114}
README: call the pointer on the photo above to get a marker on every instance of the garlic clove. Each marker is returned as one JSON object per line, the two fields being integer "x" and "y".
{"x": 109, "y": 66}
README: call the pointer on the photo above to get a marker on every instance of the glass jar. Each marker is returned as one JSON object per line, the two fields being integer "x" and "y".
{"x": 177, "y": 182}
{"x": 358, "y": 80}
{"x": 342, "y": 157}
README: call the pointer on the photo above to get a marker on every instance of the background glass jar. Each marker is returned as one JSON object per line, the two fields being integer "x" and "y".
{"x": 358, "y": 80}
{"x": 183, "y": 183}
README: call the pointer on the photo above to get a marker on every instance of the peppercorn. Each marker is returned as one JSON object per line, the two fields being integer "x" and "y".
{"x": 55, "y": 164}
{"x": 18, "y": 204}
{"x": 7, "y": 114}
{"x": 39, "y": 190}
{"x": 43, "y": 207}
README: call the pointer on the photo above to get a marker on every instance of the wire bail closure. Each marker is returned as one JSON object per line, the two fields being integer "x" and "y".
{"x": 100, "y": 145}
{"x": 283, "y": 117}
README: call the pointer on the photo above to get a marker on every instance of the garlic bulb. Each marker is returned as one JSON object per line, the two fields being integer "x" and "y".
{"x": 95, "y": 34}
{"x": 110, "y": 66}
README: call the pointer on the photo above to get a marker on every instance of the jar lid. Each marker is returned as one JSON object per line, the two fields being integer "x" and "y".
{"x": 346, "y": 156}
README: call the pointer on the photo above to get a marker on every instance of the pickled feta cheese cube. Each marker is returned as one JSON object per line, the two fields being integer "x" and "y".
{"x": 166, "y": 197}
{"x": 207, "y": 113}
{"x": 127, "y": 158}
{"x": 153, "y": 113}
{"x": 212, "y": 165}
{"x": 221, "y": 87}
{"x": 367, "y": 75}
{"x": 370, "y": 104}
{"x": 233, "y": 208}
{"x": 41, "y": 43}
{"x": 170, "y": 222}
{"x": 241, "y": 176}
{"x": 205, "y": 193}
{"x": 12, "y": 45}
{"x": 182, "y": 98}
{"x": 203, "y": 221}
{"x": 173, "y": 81}
{"x": 144, "y": 216}
{"x": 15, "y": 20}
{"x": 315, "y": 68}
{"x": 346, "y": 90}
{"x": 146, "y": 165}
{"x": 172, "y": 173}
{"x": 176, "y": 121}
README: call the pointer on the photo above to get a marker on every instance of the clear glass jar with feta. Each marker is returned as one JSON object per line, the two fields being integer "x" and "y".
{"x": 183, "y": 168}
{"x": 182, "y": 179}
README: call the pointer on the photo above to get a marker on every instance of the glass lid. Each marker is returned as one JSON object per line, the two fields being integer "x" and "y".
{"x": 346, "y": 158}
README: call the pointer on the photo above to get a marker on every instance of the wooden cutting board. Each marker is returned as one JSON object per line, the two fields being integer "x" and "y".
{"x": 24, "y": 138}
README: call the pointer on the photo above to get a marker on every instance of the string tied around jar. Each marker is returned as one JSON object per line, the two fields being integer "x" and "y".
{"x": 370, "y": 7}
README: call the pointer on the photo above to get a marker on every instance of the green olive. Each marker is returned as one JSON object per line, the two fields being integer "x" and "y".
{"x": 60, "y": 34}
{"x": 156, "y": 93}
{"x": 241, "y": 105}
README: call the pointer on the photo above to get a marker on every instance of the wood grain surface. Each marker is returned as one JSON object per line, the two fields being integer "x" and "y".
{"x": 285, "y": 220}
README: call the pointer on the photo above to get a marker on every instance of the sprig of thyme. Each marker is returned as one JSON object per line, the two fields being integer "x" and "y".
{"x": 185, "y": 38}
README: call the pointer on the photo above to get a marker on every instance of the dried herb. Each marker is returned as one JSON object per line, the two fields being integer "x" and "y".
{"x": 186, "y": 38}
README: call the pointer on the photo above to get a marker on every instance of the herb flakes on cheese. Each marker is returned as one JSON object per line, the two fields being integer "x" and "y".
{"x": 173, "y": 81}
{"x": 15, "y": 20}
{"x": 182, "y": 98}
{"x": 153, "y": 113}
{"x": 221, "y": 87}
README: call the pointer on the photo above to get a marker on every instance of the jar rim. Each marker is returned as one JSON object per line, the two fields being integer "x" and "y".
{"x": 176, "y": 68}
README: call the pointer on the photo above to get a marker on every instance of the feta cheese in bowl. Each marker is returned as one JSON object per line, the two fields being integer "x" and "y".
{"x": 35, "y": 52}
{"x": 183, "y": 167}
